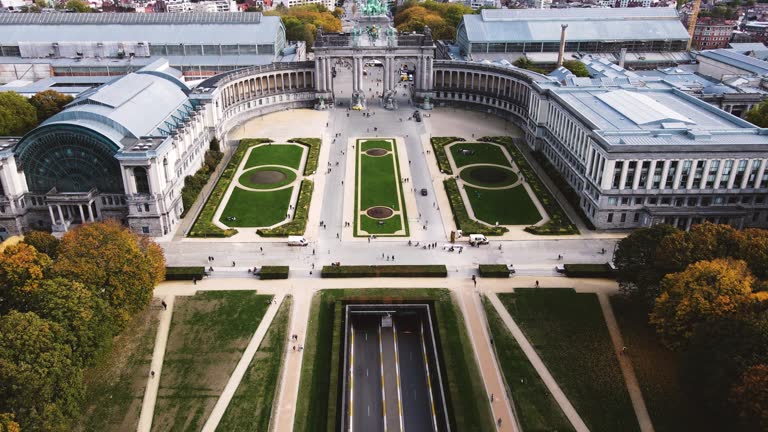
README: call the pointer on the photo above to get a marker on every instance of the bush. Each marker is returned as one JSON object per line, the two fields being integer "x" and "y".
{"x": 493, "y": 270}
{"x": 273, "y": 272}
{"x": 384, "y": 271}
{"x": 461, "y": 217}
{"x": 204, "y": 226}
{"x": 313, "y": 155}
{"x": 438, "y": 146}
{"x": 590, "y": 271}
{"x": 559, "y": 223}
{"x": 299, "y": 222}
{"x": 571, "y": 195}
{"x": 184, "y": 273}
{"x": 194, "y": 184}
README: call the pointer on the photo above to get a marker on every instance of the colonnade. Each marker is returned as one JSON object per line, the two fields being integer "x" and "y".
{"x": 266, "y": 84}
{"x": 67, "y": 207}
{"x": 423, "y": 73}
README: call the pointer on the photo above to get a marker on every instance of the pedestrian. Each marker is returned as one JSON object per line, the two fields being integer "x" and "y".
{"x": 537, "y": 284}
{"x": 313, "y": 266}
{"x": 233, "y": 263}
{"x": 491, "y": 397}
{"x": 337, "y": 235}
{"x": 623, "y": 350}
{"x": 393, "y": 257}
{"x": 261, "y": 249}
{"x": 152, "y": 374}
{"x": 498, "y": 422}
{"x": 559, "y": 257}
{"x": 313, "y": 251}
{"x": 165, "y": 305}
{"x": 194, "y": 280}
{"x": 294, "y": 347}
{"x": 382, "y": 255}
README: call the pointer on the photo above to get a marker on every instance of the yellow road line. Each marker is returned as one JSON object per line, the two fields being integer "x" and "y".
{"x": 397, "y": 372}
{"x": 429, "y": 381}
{"x": 351, "y": 377}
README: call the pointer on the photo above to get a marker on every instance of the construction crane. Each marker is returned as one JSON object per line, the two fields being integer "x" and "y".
{"x": 692, "y": 21}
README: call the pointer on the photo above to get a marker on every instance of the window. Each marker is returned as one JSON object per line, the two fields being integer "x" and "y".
{"x": 727, "y": 168}
{"x": 624, "y": 201}
{"x": 146, "y": 207}
{"x": 636, "y": 218}
{"x": 141, "y": 179}
{"x": 669, "y": 182}
{"x": 623, "y": 217}
{"x": 145, "y": 230}
{"x": 610, "y": 217}
{"x": 712, "y": 174}
{"x": 612, "y": 201}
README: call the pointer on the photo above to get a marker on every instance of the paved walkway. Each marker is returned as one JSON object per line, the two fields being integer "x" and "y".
{"x": 158, "y": 355}
{"x": 538, "y": 364}
{"x": 638, "y": 403}
{"x": 242, "y": 366}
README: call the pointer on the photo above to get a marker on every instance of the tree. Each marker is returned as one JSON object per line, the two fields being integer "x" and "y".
{"x": 37, "y": 375}
{"x": 705, "y": 291}
{"x": 758, "y": 115}
{"x": 705, "y": 241}
{"x": 83, "y": 315}
{"x": 301, "y": 22}
{"x": 7, "y": 423}
{"x": 117, "y": 265}
{"x": 49, "y": 103}
{"x": 17, "y": 115}
{"x": 215, "y": 145}
{"x": 78, "y": 6}
{"x": 576, "y": 67}
{"x": 750, "y": 397}
{"x": 21, "y": 265}
{"x": 44, "y": 242}
{"x": 635, "y": 260}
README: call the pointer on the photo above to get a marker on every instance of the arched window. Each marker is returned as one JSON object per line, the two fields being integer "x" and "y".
{"x": 165, "y": 168}
{"x": 141, "y": 179}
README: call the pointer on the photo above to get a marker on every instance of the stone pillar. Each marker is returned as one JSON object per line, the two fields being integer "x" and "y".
{"x": 719, "y": 174}
{"x": 651, "y": 174}
{"x": 732, "y": 177}
{"x": 747, "y": 171}
{"x": 317, "y": 75}
{"x": 605, "y": 182}
{"x": 705, "y": 174}
{"x": 664, "y": 173}
{"x": 354, "y": 74}
{"x": 678, "y": 174}
{"x": 692, "y": 174}
{"x": 53, "y": 218}
{"x": 623, "y": 176}
{"x": 61, "y": 215}
{"x": 90, "y": 211}
{"x": 760, "y": 173}
{"x": 82, "y": 216}
{"x": 638, "y": 171}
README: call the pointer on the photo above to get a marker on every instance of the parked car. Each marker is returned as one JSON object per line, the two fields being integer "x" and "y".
{"x": 477, "y": 239}
{"x": 560, "y": 268}
{"x": 424, "y": 192}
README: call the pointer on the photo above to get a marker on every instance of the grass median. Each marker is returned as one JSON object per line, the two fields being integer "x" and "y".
{"x": 256, "y": 209}
{"x": 275, "y": 154}
{"x": 478, "y": 153}
{"x": 505, "y": 206}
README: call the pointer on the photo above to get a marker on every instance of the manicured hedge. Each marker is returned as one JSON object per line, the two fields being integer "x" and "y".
{"x": 193, "y": 184}
{"x": 299, "y": 222}
{"x": 493, "y": 270}
{"x": 204, "y": 226}
{"x": 559, "y": 223}
{"x": 313, "y": 155}
{"x": 384, "y": 271}
{"x": 565, "y": 188}
{"x": 184, "y": 273}
{"x": 461, "y": 217}
{"x": 273, "y": 272}
{"x": 438, "y": 147}
{"x": 589, "y": 271}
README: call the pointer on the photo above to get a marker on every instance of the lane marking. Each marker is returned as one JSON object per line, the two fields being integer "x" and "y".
{"x": 351, "y": 378}
{"x": 383, "y": 392}
{"x": 397, "y": 371}
{"x": 429, "y": 381}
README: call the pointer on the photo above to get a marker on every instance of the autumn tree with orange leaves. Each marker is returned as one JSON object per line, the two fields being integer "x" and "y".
{"x": 750, "y": 397}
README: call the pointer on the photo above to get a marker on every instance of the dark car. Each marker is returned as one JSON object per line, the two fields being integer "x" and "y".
{"x": 424, "y": 192}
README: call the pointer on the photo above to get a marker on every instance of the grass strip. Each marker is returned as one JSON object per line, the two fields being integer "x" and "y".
{"x": 466, "y": 399}
{"x": 298, "y": 224}
{"x": 204, "y": 226}
{"x": 559, "y": 223}
{"x": 256, "y": 209}
{"x": 503, "y": 206}
{"x": 358, "y": 271}
{"x": 288, "y": 155}
{"x": 535, "y": 407}
{"x": 313, "y": 155}
{"x": 252, "y": 405}
{"x": 461, "y": 216}
{"x": 438, "y": 147}
{"x": 478, "y": 153}
{"x": 569, "y": 333}
{"x": 493, "y": 270}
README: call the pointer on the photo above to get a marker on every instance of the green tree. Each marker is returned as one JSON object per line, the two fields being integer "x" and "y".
{"x": 750, "y": 398}
{"x": 576, "y": 67}
{"x": 758, "y": 115}
{"x": 119, "y": 266}
{"x": 78, "y": 6}
{"x": 705, "y": 291}
{"x": 635, "y": 260}
{"x": 49, "y": 103}
{"x": 44, "y": 242}
{"x": 17, "y": 115}
{"x": 38, "y": 377}
{"x": 83, "y": 315}
{"x": 705, "y": 241}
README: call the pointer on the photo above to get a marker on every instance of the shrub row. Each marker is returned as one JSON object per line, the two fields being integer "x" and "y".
{"x": 589, "y": 271}
{"x": 559, "y": 223}
{"x": 565, "y": 188}
{"x": 273, "y": 272}
{"x": 184, "y": 273}
{"x": 299, "y": 222}
{"x": 384, "y": 271}
{"x": 493, "y": 270}
{"x": 204, "y": 226}
{"x": 438, "y": 146}
{"x": 313, "y": 155}
{"x": 193, "y": 184}
{"x": 461, "y": 217}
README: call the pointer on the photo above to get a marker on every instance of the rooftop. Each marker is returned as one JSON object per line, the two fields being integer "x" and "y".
{"x": 542, "y": 25}
{"x": 129, "y": 18}
{"x": 740, "y": 61}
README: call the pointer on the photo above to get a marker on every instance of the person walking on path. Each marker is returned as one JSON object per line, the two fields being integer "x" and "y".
{"x": 537, "y": 284}
{"x": 164, "y": 304}
{"x": 474, "y": 280}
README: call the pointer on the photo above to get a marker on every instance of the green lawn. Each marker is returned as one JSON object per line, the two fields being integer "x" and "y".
{"x": 659, "y": 373}
{"x": 488, "y": 176}
{"x": 256, "y": 209}
{"x": 505, "y": 206}
{"x": 275, "y": 154}
{"x": 537, "y": 410}
{"x": 208, "y": 334}
{"x": 484, "y": 153}
{"x": 390, "y": 226}
{"x": 245, "y": 178}
{"x": 378, "y": 182}
{"x": 251, "y": 406}
{"x": 316, "y": 407}
{"x": 369, "y": 144}
{"x": 114, "y": 388}
{"x": 569, "y": 333}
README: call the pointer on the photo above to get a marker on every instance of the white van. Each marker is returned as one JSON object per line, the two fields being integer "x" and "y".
{"x": 297, "y": 241}
{"x": 477, "y": 239}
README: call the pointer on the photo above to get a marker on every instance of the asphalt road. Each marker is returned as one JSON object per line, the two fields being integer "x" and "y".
{"x": 367, "y": 405}
{"x": 417, "y": 411}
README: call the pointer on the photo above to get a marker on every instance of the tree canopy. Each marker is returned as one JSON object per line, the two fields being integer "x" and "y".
{"x": 442, "y": 18}
{"x": 117, "y": 265}
{"x": 77, "y": 6}
{"x": 635, "y": 260}
{"x": 576, "y": 67}
{"x": 49, "y": 103}
{"x": 301, "y": 22}
{"x": 17, "y": 115}
{"x": 750, "y": 397}
{"x": 21, "y": 266}
{"x": 44, "y": 242}
{"x": 758, "y": 115}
